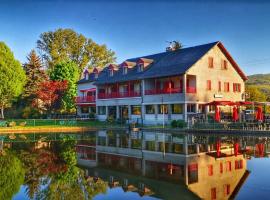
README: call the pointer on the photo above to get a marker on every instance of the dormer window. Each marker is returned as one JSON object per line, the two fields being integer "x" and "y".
{"x": 111, "y": 72}
{"x": 125, "y": 70}
{"x": 95, "y": 71}
{"x": 86, "y": 75}
{"x": 140, "y": 67}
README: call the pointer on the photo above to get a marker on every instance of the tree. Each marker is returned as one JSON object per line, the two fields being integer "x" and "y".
{"x": 35, "y": 74}
{"x": 174, "y": 45}
{"x": 177, "y": 45}
{"x": 254, "y": 94}
{"x": 11, "y": 175}
{"x": 66, "y": 44}
{"x": 67, "y": 71}
{"x": 12, "y": 78}
{"x": 49, "y": 95}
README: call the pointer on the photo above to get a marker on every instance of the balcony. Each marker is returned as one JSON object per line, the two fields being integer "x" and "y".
{"x": 191, "y": 89}
{"x": 163, "y": 91}
{"x": 118, "y": 95}
{"x": 86, "y": 99}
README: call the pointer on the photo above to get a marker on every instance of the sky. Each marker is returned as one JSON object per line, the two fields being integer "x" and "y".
{"x": 143, "y": 27}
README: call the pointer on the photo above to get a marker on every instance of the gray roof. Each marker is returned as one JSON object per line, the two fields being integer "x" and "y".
{"x": 91, "y": 78}
{"x": 164, "y": 64}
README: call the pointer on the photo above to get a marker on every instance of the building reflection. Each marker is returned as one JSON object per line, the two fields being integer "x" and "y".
{"x": 210, "y": 167}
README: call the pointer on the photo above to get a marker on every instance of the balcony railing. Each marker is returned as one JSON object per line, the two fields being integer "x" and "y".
{"x": 87, "y": 99}
{"x": 163, "y": 91}
{"x": 119, "y": 95}
{"x": 191, "y": 90}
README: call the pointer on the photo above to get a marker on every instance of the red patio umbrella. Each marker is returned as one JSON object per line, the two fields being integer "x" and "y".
{"x": 236, "y": 148}
{"x": 260, "y": 148}
{"x": 235, "y": 115}
{"x": 218, "y": 145}
{"x": 259, "y": 114}
{"x": 217, "y": 114}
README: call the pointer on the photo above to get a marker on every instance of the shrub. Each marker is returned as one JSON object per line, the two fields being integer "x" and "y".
{"x": 173, "y": 123}
{"x": 92, "y": 116}
{"x": 110, "y": 119}
{"x": 181, "y": 124}
{"x": 11, "y": 124}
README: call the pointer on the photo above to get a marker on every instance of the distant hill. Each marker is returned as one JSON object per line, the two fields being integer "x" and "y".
{"x": 260, "y": 81}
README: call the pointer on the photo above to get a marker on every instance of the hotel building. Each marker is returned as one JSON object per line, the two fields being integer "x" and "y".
{"x": 175, "y": 84}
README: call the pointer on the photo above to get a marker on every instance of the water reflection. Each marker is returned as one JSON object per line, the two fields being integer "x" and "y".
{"x": 137, "y": 164}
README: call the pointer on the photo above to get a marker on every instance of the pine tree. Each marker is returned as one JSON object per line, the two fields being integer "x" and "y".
{"x": 35, "y": 76}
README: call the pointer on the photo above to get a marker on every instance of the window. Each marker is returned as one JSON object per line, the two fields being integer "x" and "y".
{"x": 221, "y": 167}
{"x": 111, "y": 72}
{"x": 86, "y": 76}
{"x": 226, "y": 189}
{"x": 226, "y": 87}
{"x": 208, "y": 85}
{"x": 191, "y": 108}
{"x": 210, "y": 170}
{"x": 193, "y": 173}
{"x": 135, "y": 110}
{"x": 213, "y": 193}
{"x": 140, "y": 67}
{"x": 177, "y": 108}
{"x": 236, "y": 87}
{"x": 125, "y": 70}
{"x": 219, "y": 86}
{"x": 211, "y": 62}
{"x": 96, "y": 75}
{"x": 163, "y": 108}
{"x": 224, "y": 64}
{"x": 150, "y": 109}
{"x": 238, "y": 164}
{"x": 102, "y": 110}
{"x": 85, "y": 109}
{"x": 228, "y": 166}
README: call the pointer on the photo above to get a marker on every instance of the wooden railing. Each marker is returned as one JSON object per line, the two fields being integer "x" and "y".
{"x": 118, "y": 95}
{"x": 191, "y": 90}
{"x": 86, "y": 99}
{"x": 163, "y": 91}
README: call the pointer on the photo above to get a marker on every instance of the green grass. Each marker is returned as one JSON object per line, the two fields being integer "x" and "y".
{"x": 47, "y": 123}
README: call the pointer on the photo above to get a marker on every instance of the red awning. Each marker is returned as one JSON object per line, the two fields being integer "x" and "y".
{"x": 88, "y": 90}
{"x": 219, "y": 103}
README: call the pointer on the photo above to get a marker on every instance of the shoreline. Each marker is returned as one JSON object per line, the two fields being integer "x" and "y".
{"x": 25, "y": 130}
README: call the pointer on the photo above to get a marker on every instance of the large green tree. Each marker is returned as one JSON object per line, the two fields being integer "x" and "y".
{"x": 66, "y": 71}
{"x": 66, "y": 44}
{"x": 12, "y": 77}
{"x": 35, "y": 76}
{"x": 255, "y": 94}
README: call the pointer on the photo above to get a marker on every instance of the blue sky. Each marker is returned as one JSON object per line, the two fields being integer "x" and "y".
{"x": 136, "y": 28}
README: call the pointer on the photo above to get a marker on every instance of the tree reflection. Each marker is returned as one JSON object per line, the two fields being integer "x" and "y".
{"x": 53, "y": 174}
{"x": 11, "y": 175}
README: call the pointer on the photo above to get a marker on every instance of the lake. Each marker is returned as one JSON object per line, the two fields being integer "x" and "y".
{"x": 121, "y": 165}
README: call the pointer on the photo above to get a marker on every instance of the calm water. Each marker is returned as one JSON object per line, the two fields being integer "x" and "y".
{"x": 119, "y": 165}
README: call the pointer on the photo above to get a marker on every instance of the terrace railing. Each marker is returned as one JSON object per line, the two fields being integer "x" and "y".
{"x": 191, "y": 90}
{"x": 119, "y": 95}
{"x": 163, "y": 91}
{"x": 86, "y": 99}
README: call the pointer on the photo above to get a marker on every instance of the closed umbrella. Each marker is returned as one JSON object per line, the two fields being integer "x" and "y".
{"x": 236, "y": 148}
{"x": 218, "y": 145}
{"x": 217, "y": 114}
{"x": 259, "y": 114}
{"x": 235, "y": 115}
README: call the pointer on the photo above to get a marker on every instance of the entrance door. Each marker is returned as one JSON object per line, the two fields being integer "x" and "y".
{"x": 112, "y": 111}
{"x": 123, "y": 112}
